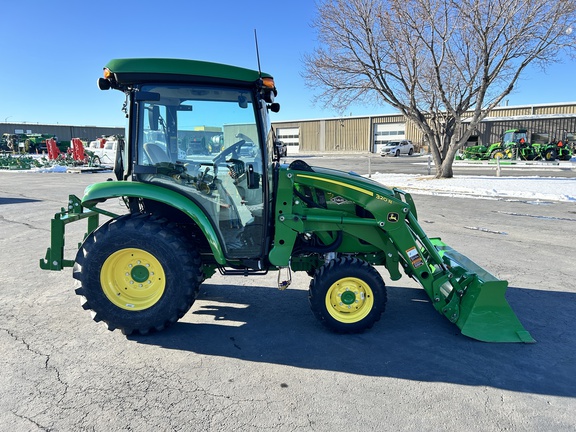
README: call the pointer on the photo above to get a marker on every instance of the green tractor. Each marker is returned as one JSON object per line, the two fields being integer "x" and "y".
{"x": 513, "y": 144}
{"x": 13, "y": 142}
{"x": 562, "y": 149}
{"x": 239, "y": 211}
{"x": 4, "y": 140}
{"x": 481, "y": 152}
{"x": 556, "y": 149}
{"x": 36, "y": 143}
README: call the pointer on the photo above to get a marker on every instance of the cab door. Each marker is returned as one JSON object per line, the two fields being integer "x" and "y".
{"x": 204, "y": 142}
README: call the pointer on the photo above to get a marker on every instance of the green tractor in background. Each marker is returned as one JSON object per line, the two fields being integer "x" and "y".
{"x": 27, "y": 143}
{"x": 12, "y": 142}
{"x": 36, "y": 143}
{"x": 514, "y": 143}
{"x": 554, "y": 149}
{"x": 236, "y": 209}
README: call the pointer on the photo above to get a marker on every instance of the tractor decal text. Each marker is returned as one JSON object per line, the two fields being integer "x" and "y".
{"x": 383, "y": 198}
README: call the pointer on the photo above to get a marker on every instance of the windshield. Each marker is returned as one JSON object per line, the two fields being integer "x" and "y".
{"x": 515, "y": 137}
{"x": 195, "y": 121}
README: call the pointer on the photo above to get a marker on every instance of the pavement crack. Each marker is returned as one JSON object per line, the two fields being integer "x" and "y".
{"x": 47, "y": 366}
{"x": 35, "y": 423}
{"x": 27, "y": 225}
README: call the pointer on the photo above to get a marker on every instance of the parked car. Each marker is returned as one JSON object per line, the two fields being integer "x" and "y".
{"x": 103, "y": 150}
{"x": 396, "y": 148}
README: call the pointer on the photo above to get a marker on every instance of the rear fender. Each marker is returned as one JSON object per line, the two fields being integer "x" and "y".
{"x": 100, "y": 192}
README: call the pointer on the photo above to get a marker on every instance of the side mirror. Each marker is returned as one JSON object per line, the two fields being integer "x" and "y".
{"x": 274, "y": 107}
{"x": 104, "y": 84}
{"x": 280, "y": 150}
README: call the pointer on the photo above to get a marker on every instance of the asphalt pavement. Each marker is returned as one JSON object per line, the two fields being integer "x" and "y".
{"x": 248, "y": 357}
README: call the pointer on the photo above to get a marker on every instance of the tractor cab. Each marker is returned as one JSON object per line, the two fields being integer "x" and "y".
{"x": 173, "y": 151}
{"x": 515, "y": 137}
{"x": 208, "y": 139}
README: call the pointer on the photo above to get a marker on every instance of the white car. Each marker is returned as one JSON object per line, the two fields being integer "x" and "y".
{"x": 396, "y": 148}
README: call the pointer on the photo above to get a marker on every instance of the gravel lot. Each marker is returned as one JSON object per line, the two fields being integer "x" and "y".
{"x": 249, "y": 357}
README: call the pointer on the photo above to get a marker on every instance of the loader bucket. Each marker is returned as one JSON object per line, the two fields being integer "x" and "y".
{"x": 484, "y": 313}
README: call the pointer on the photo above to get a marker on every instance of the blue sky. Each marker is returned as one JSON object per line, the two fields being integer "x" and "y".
{"x": 52, "y": 53}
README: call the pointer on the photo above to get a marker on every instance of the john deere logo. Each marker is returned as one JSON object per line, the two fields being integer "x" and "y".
{"x": 339, "y": 200}
{"x": 393, "y": 217}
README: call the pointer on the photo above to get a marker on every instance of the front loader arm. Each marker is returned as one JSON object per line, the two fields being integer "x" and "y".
{"x": 459, "y": 289}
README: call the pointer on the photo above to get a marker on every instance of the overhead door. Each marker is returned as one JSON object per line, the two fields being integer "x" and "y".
{"x": 385, "y": 132}
{"x": 290, "y": 137}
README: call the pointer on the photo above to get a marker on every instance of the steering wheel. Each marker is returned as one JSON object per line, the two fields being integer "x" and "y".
{"x": 232, "y": 150}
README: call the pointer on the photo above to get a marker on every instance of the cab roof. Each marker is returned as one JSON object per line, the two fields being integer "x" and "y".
{"x": 138, "y": 70}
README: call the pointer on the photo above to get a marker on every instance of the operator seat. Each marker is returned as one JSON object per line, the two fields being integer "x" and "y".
{"x": 155, "y": 153}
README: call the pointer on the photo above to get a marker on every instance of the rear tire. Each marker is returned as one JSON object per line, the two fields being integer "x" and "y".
{"x": 550, "y": 155}
{"x": 137, "y": 274}
{"x": 347, "y": 295}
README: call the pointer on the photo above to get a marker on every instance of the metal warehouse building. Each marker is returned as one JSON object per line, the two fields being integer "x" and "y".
{"x": 63, "y": 132}
{"x": 366, "y": 134}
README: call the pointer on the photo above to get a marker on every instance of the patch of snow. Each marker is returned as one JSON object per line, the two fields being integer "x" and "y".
{"x": 526, "y": 188}
{"x": 52, "y": 169}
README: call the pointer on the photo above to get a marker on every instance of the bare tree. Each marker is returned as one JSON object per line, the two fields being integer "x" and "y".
{"x": 444, "y": 64}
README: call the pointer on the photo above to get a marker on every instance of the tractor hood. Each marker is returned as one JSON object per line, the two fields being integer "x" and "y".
{"x": 348, "y": 179}
{"x": 347, "y": 187}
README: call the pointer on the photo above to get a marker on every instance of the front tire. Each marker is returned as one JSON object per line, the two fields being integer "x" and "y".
{"x": 347, "y": 295}
{"x": 498, "y": 154}
{"x": 137, "y": 274}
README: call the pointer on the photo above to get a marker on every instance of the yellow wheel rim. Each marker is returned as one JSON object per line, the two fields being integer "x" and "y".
{"x": 132, "y": 279}
{"x": 349, "y": 300}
